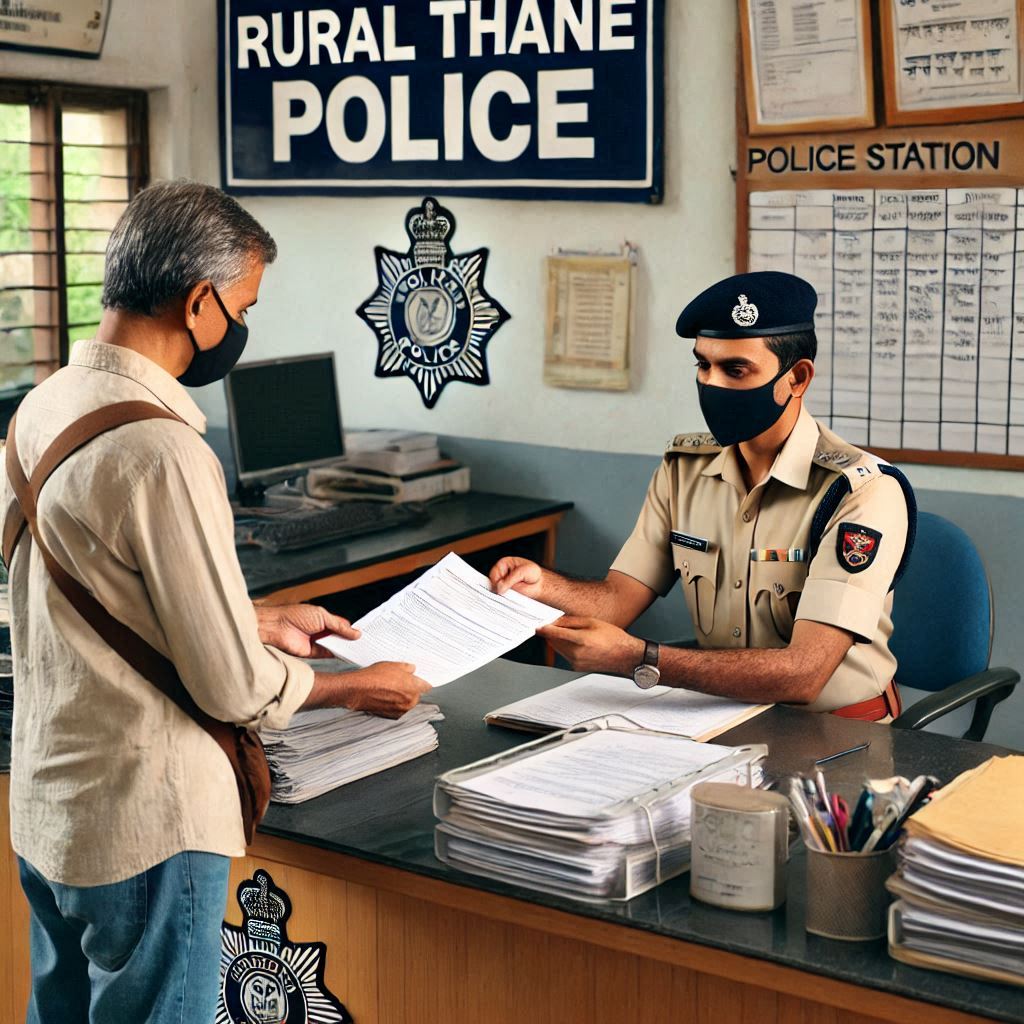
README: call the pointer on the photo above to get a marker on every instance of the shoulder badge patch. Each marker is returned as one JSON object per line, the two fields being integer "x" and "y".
{"x": 692, "y": 444}
{"x": 431, "y": 314}
{"x": 265, "y": 979}
{"x": 857, "y": 546}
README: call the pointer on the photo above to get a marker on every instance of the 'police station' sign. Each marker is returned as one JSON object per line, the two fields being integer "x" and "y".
{"x": 525, "y": 98}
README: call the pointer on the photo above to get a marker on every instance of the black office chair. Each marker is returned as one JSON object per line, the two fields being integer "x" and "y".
{"x": 942, "y": 629}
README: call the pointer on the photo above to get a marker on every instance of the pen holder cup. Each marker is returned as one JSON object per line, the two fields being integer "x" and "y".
{"x": 846, "y": 894}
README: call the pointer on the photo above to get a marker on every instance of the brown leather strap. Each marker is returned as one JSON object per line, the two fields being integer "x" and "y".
{"x": 142, "y": 657}
{"x": 887, "y": 703}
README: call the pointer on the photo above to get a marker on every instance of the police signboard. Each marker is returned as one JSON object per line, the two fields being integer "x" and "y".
{"x": 518, "y": 98}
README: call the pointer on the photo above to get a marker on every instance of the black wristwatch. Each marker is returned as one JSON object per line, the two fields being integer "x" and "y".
{"x": 647, "y": 674}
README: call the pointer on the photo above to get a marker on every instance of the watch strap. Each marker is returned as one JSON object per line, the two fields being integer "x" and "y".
{"x": 651, "y": 652}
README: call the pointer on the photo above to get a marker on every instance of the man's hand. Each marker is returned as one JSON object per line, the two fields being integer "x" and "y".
{"x": 294, "y": 628}
{"x": 387, "y": 689}
{"x": 590, "y": 645}
{"x": 517, "y": 574}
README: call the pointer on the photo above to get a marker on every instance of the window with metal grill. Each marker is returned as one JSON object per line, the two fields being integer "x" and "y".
{"x": 70, "y": 159}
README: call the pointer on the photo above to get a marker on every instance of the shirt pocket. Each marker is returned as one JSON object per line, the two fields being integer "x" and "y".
{"x": 699, "y": 572}
{"x": 777, "y": 587}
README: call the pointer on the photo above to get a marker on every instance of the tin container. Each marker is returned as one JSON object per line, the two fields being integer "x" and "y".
{"x": 740, "y": 846}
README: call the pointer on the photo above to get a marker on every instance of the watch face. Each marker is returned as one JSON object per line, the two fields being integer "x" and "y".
{"x": 646, "y": 676}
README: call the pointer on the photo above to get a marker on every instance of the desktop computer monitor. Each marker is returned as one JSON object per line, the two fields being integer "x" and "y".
{"x": 284, "y": 419}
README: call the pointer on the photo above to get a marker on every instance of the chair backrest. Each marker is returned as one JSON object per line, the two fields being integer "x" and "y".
{"x": 942, "y": 609}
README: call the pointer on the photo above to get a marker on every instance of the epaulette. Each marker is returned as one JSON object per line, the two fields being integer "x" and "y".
{"x": 836, "y": 457}
{"x": 692, "y": 444}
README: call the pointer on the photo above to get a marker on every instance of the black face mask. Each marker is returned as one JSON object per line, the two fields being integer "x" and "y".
{"x": 734, "y": 415}
{"x": 216, "y": 363}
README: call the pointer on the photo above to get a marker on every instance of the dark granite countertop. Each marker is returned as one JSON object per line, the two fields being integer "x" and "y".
{"x": 462, "y": 515}
{"x": 388, "y": 819}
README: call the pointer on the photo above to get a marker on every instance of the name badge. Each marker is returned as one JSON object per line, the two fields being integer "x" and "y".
{"x": 684, "y": 540}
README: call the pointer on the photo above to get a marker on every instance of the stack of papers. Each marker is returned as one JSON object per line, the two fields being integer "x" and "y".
{"x": 323, "y": 749}
{"x": 660, "y": 709}
{"x": 447, "y": 623}
{"x": 590, "y": 814}
{"x": 960, "y": 881}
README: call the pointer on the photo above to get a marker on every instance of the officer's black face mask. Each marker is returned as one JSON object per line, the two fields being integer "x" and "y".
{"x": 735, "y": 415}
{"x": 216, "y": 363}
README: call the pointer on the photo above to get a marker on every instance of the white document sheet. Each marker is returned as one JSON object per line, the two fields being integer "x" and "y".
{"x": 448, "y": 623}
{"x": 661, "y": 709}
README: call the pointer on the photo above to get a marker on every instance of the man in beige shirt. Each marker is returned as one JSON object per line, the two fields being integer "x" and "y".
{"x": 789, "y": 590}
{"x": 123, "y": 810}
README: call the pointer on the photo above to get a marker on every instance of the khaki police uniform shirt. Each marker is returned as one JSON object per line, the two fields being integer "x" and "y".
{"x": 698, "y": 499}
{"x": 108, "y": 776}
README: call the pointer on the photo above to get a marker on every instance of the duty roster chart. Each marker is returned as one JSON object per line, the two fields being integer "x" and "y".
{"x": 920, "y": 319}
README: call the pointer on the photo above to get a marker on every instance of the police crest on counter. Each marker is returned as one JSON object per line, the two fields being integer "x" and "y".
{"x": 265, "y": 979}
{"x": 430, "y": 313}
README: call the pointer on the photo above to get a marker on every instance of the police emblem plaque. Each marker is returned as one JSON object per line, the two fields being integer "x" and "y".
{"x": 265, "y": 979}
{"x": 430, "y": 313}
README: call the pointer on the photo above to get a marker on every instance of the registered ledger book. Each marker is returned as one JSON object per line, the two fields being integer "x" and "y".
{"x": 323, "y": 749}
{"x": 595, "y": 813}
{"x": 698, "y": 716}
{"x": 960, "y": 880}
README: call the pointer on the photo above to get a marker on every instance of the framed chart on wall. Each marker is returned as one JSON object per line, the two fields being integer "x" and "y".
{"x": 807, "y": 67}
{"x": 954, "y": 61}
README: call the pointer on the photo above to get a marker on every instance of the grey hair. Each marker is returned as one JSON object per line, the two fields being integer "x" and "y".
{"x": 171, "y": 236}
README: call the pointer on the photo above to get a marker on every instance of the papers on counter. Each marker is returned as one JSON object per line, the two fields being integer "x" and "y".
{"x": 590, "y": 814}
{"x": 323, "y": 749}
{"x": 960, "y": 880}
{"x": 447, "y": 623}
{"x": 661, "y": 709}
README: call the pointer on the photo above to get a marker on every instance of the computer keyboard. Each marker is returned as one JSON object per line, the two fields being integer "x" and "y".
{"x": 305, "y": 527}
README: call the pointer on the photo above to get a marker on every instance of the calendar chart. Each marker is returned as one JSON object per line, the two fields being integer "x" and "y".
{"x": 920, "y": 318}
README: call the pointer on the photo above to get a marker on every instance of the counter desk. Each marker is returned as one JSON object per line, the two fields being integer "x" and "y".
{"x": 409, "y": 939}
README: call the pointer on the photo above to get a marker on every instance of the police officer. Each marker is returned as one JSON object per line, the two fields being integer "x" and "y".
{"x": 786, "y": 539}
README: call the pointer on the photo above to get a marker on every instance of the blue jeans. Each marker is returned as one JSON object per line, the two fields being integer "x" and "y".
{"x": 143, "y": 950}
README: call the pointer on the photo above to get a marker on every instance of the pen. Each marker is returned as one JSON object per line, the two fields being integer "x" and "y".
{"x": 888, "y": 819}
{"x": 842, "y": 753}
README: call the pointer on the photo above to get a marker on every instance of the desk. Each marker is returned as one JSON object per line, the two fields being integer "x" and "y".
{"x": 465, "y": 523}
{"x": 412, "y": 940}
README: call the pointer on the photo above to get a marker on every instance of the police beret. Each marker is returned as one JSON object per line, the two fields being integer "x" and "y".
{"x": 750, "y": 306}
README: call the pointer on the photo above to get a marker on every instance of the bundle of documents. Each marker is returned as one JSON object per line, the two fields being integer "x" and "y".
{"x": 447, "y": 623}
{"x": 343, "y": 483}
{"x": 397, "y": 452}
{"x": 960, "y": 881}
{"x": 323, "y": 749}
{"x": 698, "y": 716}
{"x": 591, "y": 814}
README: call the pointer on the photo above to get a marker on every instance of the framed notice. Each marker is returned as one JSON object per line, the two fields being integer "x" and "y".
{"x": 589, "y": 321}
{"x": 961, "y": 60}
{"x": 505, "y": 98}
{"x": 807, "y": 67}
{"x": 71, "y": 27}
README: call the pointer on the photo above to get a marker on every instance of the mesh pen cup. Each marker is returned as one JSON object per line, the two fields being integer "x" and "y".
{"x": 846, "y": 894}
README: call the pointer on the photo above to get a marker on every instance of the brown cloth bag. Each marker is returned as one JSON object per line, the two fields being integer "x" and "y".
{"x": 241, "y": 746}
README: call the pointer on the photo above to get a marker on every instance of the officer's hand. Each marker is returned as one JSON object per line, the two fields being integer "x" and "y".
{"x": 295, "y": 628}
{"x": 590, "y": 645}
{"x": 519, "y": 574}
{"x": 387, "y": 689}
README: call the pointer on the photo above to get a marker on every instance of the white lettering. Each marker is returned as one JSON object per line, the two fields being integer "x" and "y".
{"x": 324, "y": 29}
{"x": 403, "y": 145}
{"x": 610, "y": 21}
{"x": 283, "y": 57}
{"x": 361, "y": 38}
{"x": 480, "y": 27}
{"x": 447, "y": 9}
{"x": 551, "y": 113}
{"x": 580, "y": 25}
{"x": 498, "y": 150}
{"x": 287, "y": 125}
{"x": 392, "y": 51}
{"x": 529, "y": 30}
{"x": 454, "y": 118}
{"x": 356, "y": 87}
{"x": 252, "y": 39}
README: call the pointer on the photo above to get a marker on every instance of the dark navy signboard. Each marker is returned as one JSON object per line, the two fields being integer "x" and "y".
{"x": 518, "y": 98}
